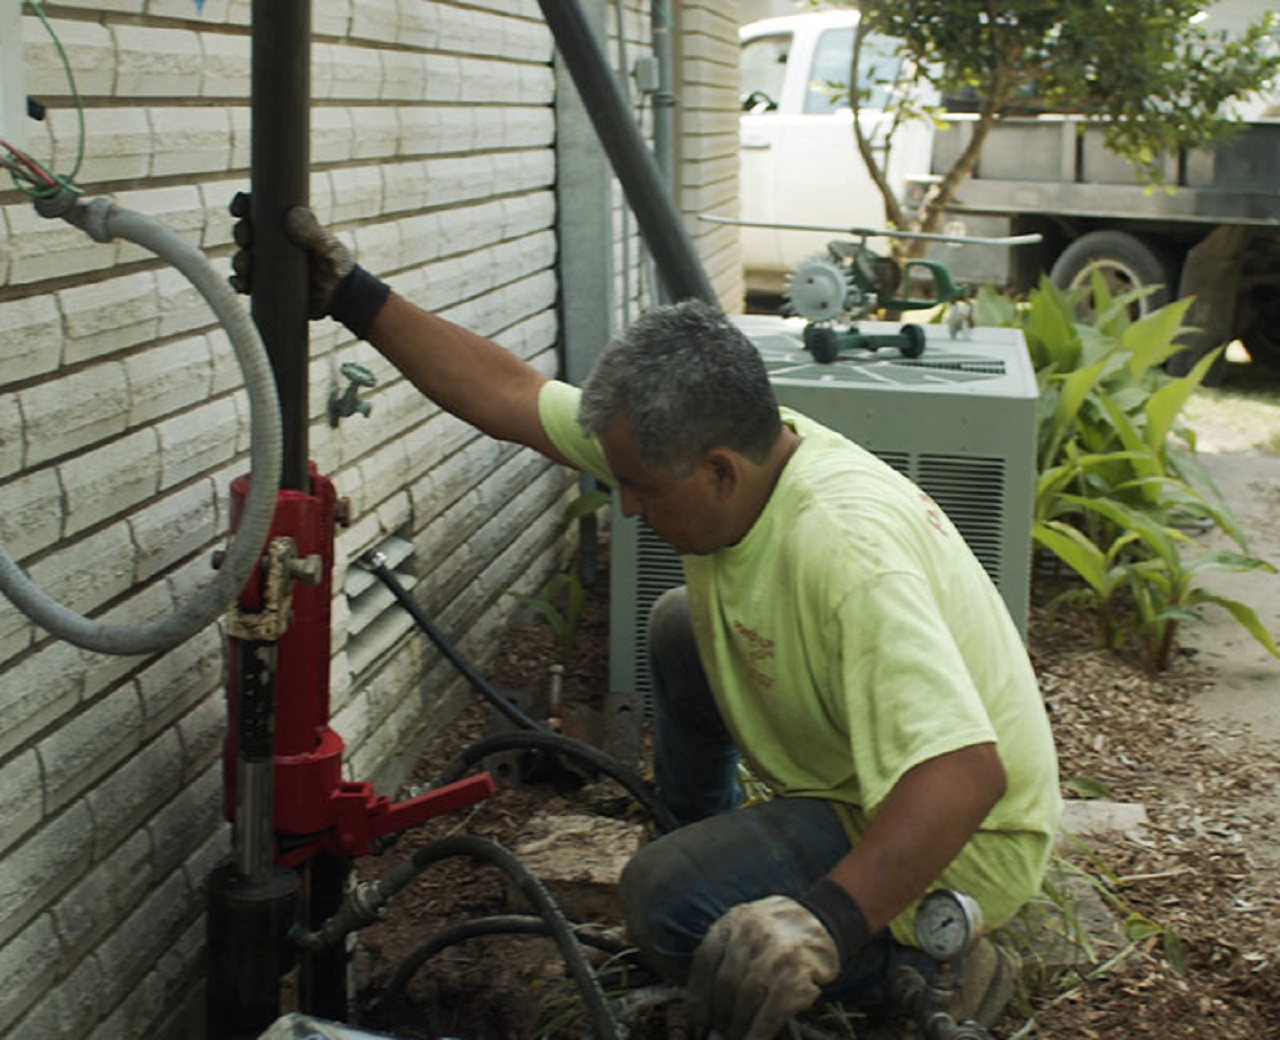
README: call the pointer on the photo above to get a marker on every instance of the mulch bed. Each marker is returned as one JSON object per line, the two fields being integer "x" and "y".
{"x": 1198, "y": 887}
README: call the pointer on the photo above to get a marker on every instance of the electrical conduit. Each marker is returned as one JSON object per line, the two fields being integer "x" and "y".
{"x": 103, "y": 221}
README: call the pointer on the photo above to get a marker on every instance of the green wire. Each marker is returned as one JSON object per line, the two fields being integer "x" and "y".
{"x": 63, "y": 181}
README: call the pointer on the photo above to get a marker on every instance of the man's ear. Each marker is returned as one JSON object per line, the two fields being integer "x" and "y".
{"x": 724, "y": 468}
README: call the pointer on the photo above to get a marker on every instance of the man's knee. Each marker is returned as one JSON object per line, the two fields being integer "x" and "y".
{"x": 669, "y": 624}
{"x": 659, "y": 901}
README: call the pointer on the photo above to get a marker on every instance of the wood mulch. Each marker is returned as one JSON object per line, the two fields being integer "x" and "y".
{"x": 1197, "y": 887}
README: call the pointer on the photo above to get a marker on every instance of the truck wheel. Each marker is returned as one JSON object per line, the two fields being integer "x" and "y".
{"x": 1125, "y": 263}
{"x": 1261, "y": 336}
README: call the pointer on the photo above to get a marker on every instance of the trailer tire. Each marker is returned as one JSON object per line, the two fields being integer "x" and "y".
{"x": 1125, "y": 261}
{"x": 1261, "y": 336}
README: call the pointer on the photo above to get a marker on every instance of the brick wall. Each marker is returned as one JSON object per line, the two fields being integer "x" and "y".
{"x": 123, "y": 420}
{"x": 708, "y": 166}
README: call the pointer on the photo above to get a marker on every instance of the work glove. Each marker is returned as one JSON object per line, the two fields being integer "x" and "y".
{"x": 759, "y": 965}
{"x": 336, "y": 285}
{"x": 766, "y": 961}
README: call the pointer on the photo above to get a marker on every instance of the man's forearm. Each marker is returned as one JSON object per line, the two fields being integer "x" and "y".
{"x": 466, "y": 374}
{"x": 927, "y": 819}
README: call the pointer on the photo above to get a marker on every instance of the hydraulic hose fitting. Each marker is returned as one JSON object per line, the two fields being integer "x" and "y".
{"x": 366, "y": 904}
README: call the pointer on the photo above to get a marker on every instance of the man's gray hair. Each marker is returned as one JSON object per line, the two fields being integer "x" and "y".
{"x": 688, "y": 380}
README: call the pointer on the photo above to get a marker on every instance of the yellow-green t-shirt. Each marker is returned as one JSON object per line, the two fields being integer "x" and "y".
{"x": 852, "y": 635}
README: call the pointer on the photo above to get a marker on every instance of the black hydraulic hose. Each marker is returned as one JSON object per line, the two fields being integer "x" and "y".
{"x": 364, "y": 905}
{"x": 376, "y": 563}
{"x": 535, "y": 735}
{"x": 570, "y": 748}
{"x": 498, "y": 924}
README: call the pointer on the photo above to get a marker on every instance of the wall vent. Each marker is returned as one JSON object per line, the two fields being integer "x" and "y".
{"x": 375, "y": 621}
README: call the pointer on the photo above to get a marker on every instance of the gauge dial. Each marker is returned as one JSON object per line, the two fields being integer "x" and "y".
{"x": 947, "y": 923}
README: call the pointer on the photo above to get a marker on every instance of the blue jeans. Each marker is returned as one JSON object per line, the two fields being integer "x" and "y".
{"x": 676, "y": 886}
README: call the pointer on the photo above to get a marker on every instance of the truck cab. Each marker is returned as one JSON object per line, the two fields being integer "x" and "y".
{"x": 799, "y": 162}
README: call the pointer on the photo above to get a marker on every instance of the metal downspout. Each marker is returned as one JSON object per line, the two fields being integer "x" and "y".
{"x": 633, "y": 164}
{"x": 662, "y": 32}
{"x": 664, "y": 100}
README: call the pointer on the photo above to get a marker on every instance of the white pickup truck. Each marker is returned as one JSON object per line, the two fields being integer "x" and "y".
{"x": 1215, "y": 237}
{"x": 799, "y": 160}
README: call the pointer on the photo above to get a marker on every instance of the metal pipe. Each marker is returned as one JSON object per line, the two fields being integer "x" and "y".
{"x": 253, "y": 841}
{"x": 664, "y": 99}
{"x": 280, "y": 157}
{"x": 633, "y": 164}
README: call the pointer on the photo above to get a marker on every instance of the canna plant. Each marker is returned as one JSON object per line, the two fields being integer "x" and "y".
{"x": 1118, "y": 485}
{"x": 559, "y": 606}
{"x": 1159, "y": 566}
{"x": 561, "y": 601}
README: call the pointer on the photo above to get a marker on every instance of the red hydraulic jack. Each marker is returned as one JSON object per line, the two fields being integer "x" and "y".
{"x": 297, "y": 822}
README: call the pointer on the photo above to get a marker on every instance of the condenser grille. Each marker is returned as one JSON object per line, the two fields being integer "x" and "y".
{"x": 659, "y": 569}
{"x": 971, "y": 491}
{"x": 899, "y": 460}
{"x": 978, "y": 366}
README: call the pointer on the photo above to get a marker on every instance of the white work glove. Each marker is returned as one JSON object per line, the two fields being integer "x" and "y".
{"x": 328, "y": 260}
{"x": 336, "y": 285}
{"x": 757, "y": 966}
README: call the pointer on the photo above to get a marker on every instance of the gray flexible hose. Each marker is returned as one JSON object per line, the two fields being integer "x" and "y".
{"x": 103, "y": 220}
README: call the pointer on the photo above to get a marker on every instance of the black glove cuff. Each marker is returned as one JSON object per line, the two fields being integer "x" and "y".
{"x": 357, "y": 300}
{"x": 831, "y": 903}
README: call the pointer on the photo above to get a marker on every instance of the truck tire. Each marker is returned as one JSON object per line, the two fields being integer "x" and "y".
{"x": 1261, "y": 336}
{"x": 1125, "y": 261}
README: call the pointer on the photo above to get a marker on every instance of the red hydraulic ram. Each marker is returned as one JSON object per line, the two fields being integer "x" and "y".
{"x": 313, "y": 809}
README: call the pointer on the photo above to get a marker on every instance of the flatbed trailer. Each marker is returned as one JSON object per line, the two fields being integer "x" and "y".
{"x": 1212, "y": 233}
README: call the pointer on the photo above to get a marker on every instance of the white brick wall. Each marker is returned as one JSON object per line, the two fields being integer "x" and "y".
{"x": 123, "y": 420}
{"x": 77, "y": 410}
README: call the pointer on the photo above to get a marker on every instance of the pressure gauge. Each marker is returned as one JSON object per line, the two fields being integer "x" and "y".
{"x": 947, "y": 924}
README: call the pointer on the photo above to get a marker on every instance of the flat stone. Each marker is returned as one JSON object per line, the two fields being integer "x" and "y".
{"x": 1083, "y": 817}
{"x": 579, "y": 859}
{"x": 1071, "y": 928}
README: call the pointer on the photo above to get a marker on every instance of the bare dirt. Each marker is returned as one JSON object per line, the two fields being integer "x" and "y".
{"x": 1189, "y": 944}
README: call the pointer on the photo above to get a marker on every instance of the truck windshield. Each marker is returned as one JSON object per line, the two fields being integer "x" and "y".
{"x": 879, "y": 67}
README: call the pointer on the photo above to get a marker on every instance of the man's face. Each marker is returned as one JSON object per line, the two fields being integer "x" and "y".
{"x": 683, "y": 511}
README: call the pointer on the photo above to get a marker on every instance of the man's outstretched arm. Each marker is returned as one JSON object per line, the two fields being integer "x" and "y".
{"x": 472, "y": 377}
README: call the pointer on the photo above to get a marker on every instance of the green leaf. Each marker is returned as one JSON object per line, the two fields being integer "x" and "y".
{"x": 1138, "y": 927}
{"x": 545, "y": 610}
{"x": 1227, "y": 560}
{"x": 585, "y": 504}
{"x": 1145, "y": 461}
{"x": 1150, "y": 339}
{"x": 1163, "y": 540}
{"x": 1246, "y": 616}
{"x": 1077, "y": 552}
{"x": 1174, "y": 951}
{"x": 1072, "y": 392}
{"x": 1175, "y": 613}
{"x": 1168, "y": 401}
{"x": 1086, "y": 787}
